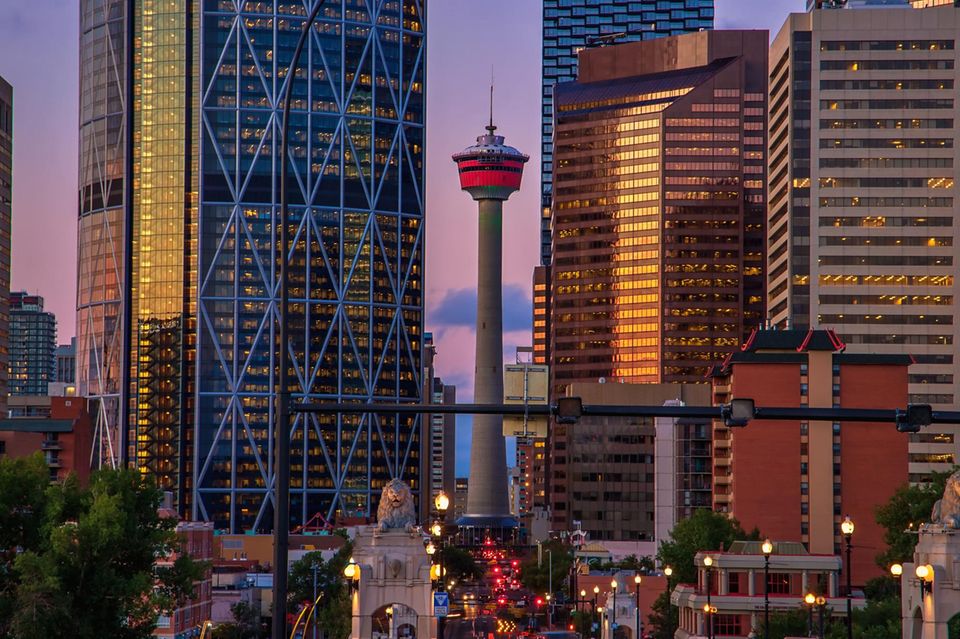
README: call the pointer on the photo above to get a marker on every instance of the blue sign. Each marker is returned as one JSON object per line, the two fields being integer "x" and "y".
{"x": 441, "y": 604}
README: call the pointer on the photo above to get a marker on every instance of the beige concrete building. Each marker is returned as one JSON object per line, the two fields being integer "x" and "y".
{"x": 862, "y": 204}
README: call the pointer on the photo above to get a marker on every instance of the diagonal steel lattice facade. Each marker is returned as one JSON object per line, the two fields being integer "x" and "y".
{"x": 102, "y": 224}
{"x": 202, "y": 322}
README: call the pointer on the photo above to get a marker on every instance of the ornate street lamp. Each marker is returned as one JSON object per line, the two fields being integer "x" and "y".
{"x": 708, "y": 564}
{"x": 636, "y": 590}
{"x": 847, "y": 527}
{"x": 767, "y": 548}
{"x": 613, "y": 585}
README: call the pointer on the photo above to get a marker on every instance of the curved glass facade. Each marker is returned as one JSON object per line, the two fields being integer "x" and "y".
{"x": 102, "y": 232}
{"x": 202, "y": 328}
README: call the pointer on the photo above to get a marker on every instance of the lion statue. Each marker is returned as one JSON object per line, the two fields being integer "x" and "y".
{"x": 396, "y": 510}
{"x": 946, "y": 511}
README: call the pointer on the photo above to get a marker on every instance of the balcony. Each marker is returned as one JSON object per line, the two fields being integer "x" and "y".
{"x": 50, "y": 444}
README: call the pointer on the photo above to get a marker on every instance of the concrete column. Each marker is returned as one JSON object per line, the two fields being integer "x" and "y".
{"x": 752, "y": 583}
{"x": 488, "y": 494}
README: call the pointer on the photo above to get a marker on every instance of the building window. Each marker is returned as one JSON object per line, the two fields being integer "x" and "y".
{"x": 779, "y": 583}
{"x": 727, "y": 625}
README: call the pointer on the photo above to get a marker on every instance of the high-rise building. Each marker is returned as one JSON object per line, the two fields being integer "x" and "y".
{"x": 683, "y": 462}
{"x": 863, "y": 210}
{"x": 439, "y": 438}
{"x": 6, "y": 220}
{"x": 572, "y": 25}
{"x": 33, "y": 342}
{"x": 178, "y": 286}
{"x": 799, "y": 479}
{"x": 65, "y": 362}
{"x": 658, "y": 213}
{"x": 633, "y": 478}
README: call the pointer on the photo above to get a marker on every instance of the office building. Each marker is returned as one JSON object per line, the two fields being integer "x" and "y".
{"x": 603, "y": 476}
{"x": 61, "y": 429}
{"x": 439, "y": 439}
{"x": 659, "y": 210}
{"x": 799, "y": 479}
{"x": 570, "y": 26}
{"x": 460, "y": 496}
{"x": 65, "y": 362}
{"x": 862, "y": 216}
{"x": 177, "y": 288}
{"x": 738, "y": 592}
{"x": 684, "y": 484}
{"x": 6, "y": 221}
{"x": 33, "y": 342}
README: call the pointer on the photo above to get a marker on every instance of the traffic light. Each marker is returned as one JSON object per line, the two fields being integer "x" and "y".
{"x": 914, "y": 418}
{"x": 538, "y": 601}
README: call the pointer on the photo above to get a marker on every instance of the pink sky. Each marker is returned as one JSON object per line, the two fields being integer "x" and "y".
{"x": 468, "y": 39}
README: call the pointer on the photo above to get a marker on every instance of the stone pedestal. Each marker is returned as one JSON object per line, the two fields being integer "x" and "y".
{"x": 394, "y": 572}
{"x": 926, "y": 616}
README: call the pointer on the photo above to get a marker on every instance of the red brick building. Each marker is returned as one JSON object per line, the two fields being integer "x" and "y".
{"x": 196, "y": 540}
{"x": 799, "y": 479}
{"x": 64, "y": 436}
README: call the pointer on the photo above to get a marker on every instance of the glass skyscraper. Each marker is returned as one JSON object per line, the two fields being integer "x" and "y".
{"x": 198, "y": 305}
{"x": 33, "y": 343}
{"x": 571, "y": 25}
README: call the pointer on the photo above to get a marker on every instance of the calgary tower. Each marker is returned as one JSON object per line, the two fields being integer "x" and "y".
{"x": 490, "y": 172}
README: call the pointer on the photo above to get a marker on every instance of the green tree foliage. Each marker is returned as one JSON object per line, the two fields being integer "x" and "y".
{"x": 537, "y": 578}
{"x": 909, "y": 506}
{"x": 460, "y": 564}
{"x": 705, "y": 530}
{"x": 246, "y": 623}
{"x": 786, "y": 624}
{"x": 84, "y": 558}
{"x": 333, "y": 608}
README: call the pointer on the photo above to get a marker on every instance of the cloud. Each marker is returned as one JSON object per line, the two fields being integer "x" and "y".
{"x": 459, "y": 308}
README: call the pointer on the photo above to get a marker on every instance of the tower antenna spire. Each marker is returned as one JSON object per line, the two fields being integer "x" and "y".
{"x": 491, "y": 127}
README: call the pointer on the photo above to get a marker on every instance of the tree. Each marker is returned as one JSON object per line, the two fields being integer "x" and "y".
{"x": 85, "y": 558}
{"x": 333, "y": 607}
{"x": 537, "y": 579}
{"x": 909, "y": 506}
{"x": 704, "y": 530}
{"x": 460, "y": 564}
{"x": 246, "y": 623}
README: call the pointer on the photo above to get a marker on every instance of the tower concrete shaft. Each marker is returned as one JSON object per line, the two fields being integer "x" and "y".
{"x": 490, "y": 171}
{"x": 488, "y": 494}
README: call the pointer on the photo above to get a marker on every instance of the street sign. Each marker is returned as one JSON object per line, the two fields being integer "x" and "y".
{"x": 525, "y": 383}
{"x": 441, "y": 604}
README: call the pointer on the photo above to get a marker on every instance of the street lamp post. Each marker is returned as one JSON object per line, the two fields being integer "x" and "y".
{"x": 668, "y": 572}
{"x": 281, "y": 427}
{"x": 549, "y": 611}
{"x": 811, "y": 600}
{"x": 822, "y": 605}
{"x": 708, "y": 564}
{"x": 595, "y": 616}
{"x": 613, "y": 585}
{"x": 767, "y": 549}
{"x": 442, "y": 502}
{"x": 847, "y": 528}
{"x": 636, "y": 590}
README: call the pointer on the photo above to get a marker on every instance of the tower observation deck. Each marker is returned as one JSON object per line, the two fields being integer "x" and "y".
{"x": 490, "y": 171}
